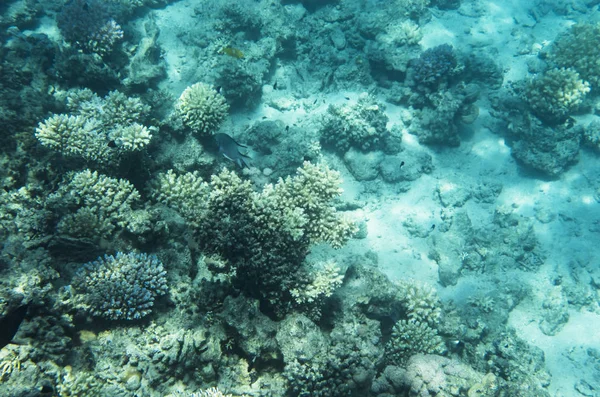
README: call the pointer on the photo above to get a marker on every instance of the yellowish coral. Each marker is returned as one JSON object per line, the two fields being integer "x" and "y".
{"x": 578, "y": 49}
{"x": 556, "y": 93}
{"x": 324, "y": 283}
{"x": 103, "y": 204}
{"x": 187, "y": 193}
{"x": 72, "y": 136}
{"x": 133, "y": 137}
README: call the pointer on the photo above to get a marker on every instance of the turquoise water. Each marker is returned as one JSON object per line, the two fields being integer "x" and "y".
{"x": 299, "y": 198}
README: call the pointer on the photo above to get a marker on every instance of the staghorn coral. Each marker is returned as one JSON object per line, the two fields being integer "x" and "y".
{"x": 311, "y": 295}
{"x": 201, "y": 108}
{"x": 324, "y": 282}
{"x": 554, "y": 95}
{"x": 404, "y": 33}
{"x": 120, "y": 287}
{"x": 131, "y": 138}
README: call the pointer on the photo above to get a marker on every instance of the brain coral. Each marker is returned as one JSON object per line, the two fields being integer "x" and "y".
{"x": 201, "y": 108}
{"x": 120, "y": 287}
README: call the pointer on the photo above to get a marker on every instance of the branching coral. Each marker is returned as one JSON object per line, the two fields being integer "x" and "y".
{"x": 98, "y": 130}
{"x": 201, "y": 108}
{"x": 556, "y": 94}
{"x": 89, "y": 26}
{"x": 420, "y": 302}
{"x": 264, "y": 235}
{"x": 578, "y": 49}
{"x": 412, "y": 337}
{"x": 95, "y": 205}
{"x": 73, "y": 136}
{"x": 120, "y": 287}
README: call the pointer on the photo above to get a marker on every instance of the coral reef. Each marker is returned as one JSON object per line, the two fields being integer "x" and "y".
{"x": 549, "y": 149}
{"x": 362, "y": 125}
{"x": 94, "y": 205}
{"x": 88, "y": 25}
{"x": 576, "y": 49}
{"x": 591, "y": 135}
{"x": 120, "y": 287}
{"x": 434, "y": 67}
{"x": 438, "y": 122}
{"x": 554, "y": 95}
{"x": 93, "y": 124}
{"x": 202, "y": 109}
{"x": 410, "y": 337}
{"x": 282, "y": 148}
{"x": 239, "y": 224}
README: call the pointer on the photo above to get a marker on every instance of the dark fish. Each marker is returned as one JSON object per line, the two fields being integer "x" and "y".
{"x": 287, "y": 127}
{"x": 275, "y": 86}
{"x": 347, "y": 98}
{"x": 402, "y": 164}
{"x": 9, "y": 325}
{"x": 231, "y": 149}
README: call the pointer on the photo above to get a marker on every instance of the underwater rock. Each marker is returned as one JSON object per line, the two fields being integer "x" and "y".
{"x": 363, "y": 166}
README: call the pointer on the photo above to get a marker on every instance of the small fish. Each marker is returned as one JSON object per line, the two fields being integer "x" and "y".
{"x": 315, "y": 102}
{"x": 9, "y": 325}
{"x": 287, "y": 128}
{"x": 232, "y": 52}
{"x": 402, "y": 164}
{"x": 264, "y": 117}
{"x": 347, "y": 98}
{"x": 275, "y": 86}
{"x": 230, "y": 149}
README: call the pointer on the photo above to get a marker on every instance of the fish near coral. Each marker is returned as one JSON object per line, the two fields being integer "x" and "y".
{"x": 232, "y": 52}
{"x": 230, "y": 149}
{"x": 9, "y": 325}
